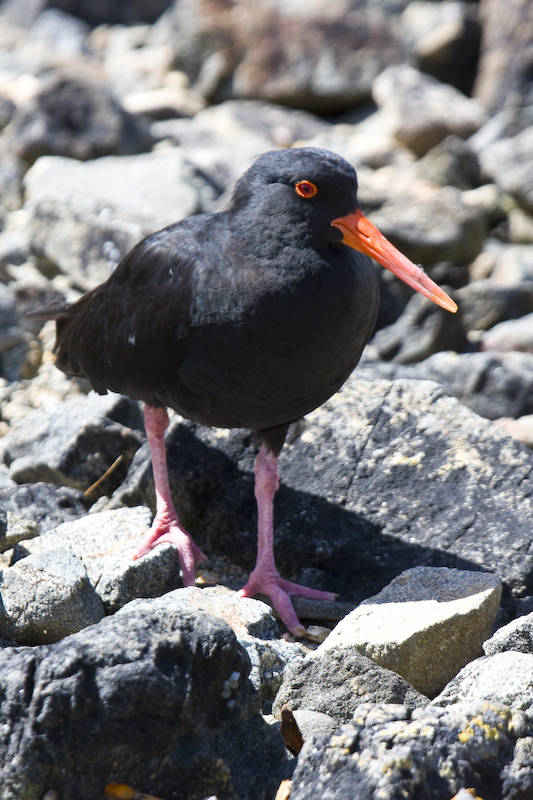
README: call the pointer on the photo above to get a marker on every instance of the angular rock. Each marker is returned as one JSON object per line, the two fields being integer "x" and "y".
{"x": 444, "y": 39}
{"x": 74, "y": 443}
{"x": 503, "y": 78}
{"x": 386, "y": 476}
{"x": 484, "y": 304}
{"x": 105, "y": 543}
{"x": 147, "y": 698}
{"x": 516, "y": 635}
{"x": 336, "y": 682}
{"x": 42, "y": 504}
{"x": 425, "y": 625}
{"x": 494, "y": 385}
{"x": 84, "y": 217}
{"x": 424, "y": 110}
{"x": 232, "y": 51}
{"x": 421, "y": 331}
{"x": 45, "y": 597}
{"x": 429, "y": 753}
{"x": 77, "y": 117}
{"x": 505, "y": 677}
{"x": 509, "y": 162}
{"x": 405, "y": 212}
{"x": 513, "y": 265}
{"x": 514, "y": 334}
{"x": 252, "y": 623}
{"x": 452, "y": 162}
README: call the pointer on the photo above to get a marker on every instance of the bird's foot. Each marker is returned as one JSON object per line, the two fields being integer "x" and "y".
{"x": 280, "y": 591}
{"x": 166, "y": 528}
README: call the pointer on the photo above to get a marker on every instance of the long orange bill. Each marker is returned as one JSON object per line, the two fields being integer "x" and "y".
{"x": 359, "y": 233}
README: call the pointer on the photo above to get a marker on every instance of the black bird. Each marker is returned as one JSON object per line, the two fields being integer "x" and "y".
{"x": 246, "y": 318}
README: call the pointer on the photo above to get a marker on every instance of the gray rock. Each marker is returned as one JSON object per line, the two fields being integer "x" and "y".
{"x": 17, "y": 529}
{"x": 494, "y": 385}
{"x": 74, "y": 116}
{"x": 45, "y": 597}
{"x": 105, "y": 543}
{"x": 74, "y": 443}
{"x": 405, "y": 212}
{"x": 425, "y": 625}
{"x": 505, "y": 677}
{"x": 84, "y": 217}
{"x": 422, "y": 330}
{"x": 514, "y": 334}
{"x": 513, "y": 265}
{"x": 150, "y": 698}
{"x": 484, "y": 304}
{"x": 64, "y": 34}
{"x": 452, "y": 162}
{"x": 385, "y": 477}
{"x": 509, "y": 163}
{"x": 337, "y": 681}
{"x": 444, "y": 40}
{"x": 424, "y": 110}
{"x": 427, "y": 753}
{"x": 516, "y": 635}
{"x": 42, "y": 504}
{"x": 253, "y": 625}
{"x": 226, "y": 53}
{"x": 503, "y": 80}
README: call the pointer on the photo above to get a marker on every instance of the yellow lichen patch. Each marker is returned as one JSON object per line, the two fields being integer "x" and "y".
{"x": 399, "y": 459}
{"x": 492, "y": 732}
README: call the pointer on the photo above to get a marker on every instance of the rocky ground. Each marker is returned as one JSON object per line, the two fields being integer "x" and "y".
{"x": 409, "y": 493}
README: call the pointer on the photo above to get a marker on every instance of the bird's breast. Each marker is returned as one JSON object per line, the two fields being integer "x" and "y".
{"x": 286, "y": 351}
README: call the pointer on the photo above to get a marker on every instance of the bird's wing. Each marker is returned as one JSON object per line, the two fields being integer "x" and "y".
{"x": 128, "y": 335}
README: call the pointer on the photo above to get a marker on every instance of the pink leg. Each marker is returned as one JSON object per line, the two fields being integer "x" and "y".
{"x": 166, "y": 526}
{"x": 265, "y": 579}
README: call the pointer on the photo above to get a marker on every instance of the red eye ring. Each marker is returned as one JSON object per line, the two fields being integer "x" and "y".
{"x": 306, "y": 189}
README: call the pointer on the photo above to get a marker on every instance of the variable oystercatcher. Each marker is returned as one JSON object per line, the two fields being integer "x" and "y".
{"x": 246, "y": 318}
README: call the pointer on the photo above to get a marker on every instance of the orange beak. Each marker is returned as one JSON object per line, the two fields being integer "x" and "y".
{"x": 359, "y": 233}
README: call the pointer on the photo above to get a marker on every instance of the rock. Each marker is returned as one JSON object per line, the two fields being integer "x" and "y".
{"x": 226, "y": 52}
{"x": 337, "y": 681}
{"x": 431, "y": 753}
{"x": 505, "y": 677}
{"x": 84, "y": 217}
{"x": 484, "y": 304}
{"x": 424, "y": 110}
{"x": 444, "y": 40}
{"x": 253, "y": 625}
{"x": 75, "y": 443}
{"x": 105, "y": 543}
{"x": 385, "y": 477}
{"x": 452, "y": 162}
{"x": 16, "y": 529}
{"x": 63, "y": 34}
{"x": 45, "y": 597}
{"x": 503, "y": 78}
{"x": 405, "y": 210}
{"x": 74, "y": 116}
{"x": 521, "y": 428}
{"x": 516, "y": 636}
{"x": 514, "y": 334}
{"x": 42, "y": 504}
{"x": 148, "y": 698}
{"x": 513, "y": 265}
{"x": 419, "y": 333}
{"x": 425, "y": 625}
{"x": 494, "y": 385}
{"x": 508, "y": 162}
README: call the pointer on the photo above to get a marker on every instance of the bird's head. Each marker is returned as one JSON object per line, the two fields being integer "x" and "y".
{"x": 313, "y": 192}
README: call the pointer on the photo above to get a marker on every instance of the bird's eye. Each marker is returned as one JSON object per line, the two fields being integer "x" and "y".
{"x": 306, "y": 189}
